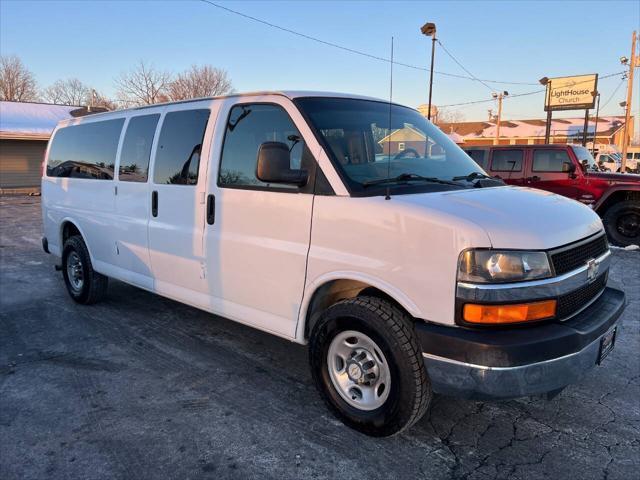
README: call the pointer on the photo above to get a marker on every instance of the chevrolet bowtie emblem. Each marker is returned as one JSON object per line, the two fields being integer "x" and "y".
{"x": 592, "y": 269}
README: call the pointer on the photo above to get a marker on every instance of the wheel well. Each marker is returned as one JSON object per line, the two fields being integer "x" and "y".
{"x": 616, "y": 197}
{"x": 336, "y": 290}
{"x": 69, "y": 230}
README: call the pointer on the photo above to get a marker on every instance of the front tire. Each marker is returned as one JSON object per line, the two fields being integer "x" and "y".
{"x": 367, "y": 365}
{"x": 84, "y": 285}
{"x": 622, "y": 223}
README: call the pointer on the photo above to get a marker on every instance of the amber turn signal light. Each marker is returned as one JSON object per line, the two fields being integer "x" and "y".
{"x": 521, "y": 312}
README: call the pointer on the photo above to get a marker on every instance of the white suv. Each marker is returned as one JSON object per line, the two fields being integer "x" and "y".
{"x": 407, "y": 270}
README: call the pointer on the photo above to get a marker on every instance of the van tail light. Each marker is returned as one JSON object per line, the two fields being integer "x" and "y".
{"x": 501, "y": 314}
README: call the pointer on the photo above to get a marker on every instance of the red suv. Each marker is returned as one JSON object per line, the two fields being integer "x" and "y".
{"x": 569, "y": 170}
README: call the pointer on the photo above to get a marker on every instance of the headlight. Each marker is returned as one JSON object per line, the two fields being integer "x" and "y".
{"x": 495, "y": 266}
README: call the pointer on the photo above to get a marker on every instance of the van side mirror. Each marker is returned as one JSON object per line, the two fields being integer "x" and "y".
{"x": 274, "y": 165}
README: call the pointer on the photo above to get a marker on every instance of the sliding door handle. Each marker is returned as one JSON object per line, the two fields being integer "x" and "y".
{"x": 211, "y": 209}
{"x": 154, "y": 203}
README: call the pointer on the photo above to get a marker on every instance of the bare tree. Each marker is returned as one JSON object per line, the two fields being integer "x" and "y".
{"x": 197, "y": 82}
{"x": 143, "y": 85}
{"x": 16, "y": 81}
{"x": 67, "y": 92}
{"x": 449, "y": 116}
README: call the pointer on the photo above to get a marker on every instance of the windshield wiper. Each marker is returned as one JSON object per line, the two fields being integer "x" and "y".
{"x": 472, "y": 176}
{"x": 403, "y": 177}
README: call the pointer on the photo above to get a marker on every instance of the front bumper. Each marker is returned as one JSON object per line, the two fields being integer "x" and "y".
{"x": 519, "y": 361}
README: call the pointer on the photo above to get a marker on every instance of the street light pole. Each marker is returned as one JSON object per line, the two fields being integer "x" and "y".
{"x": 429, "y": 30}
{"x": 547, "y": 131}
{"x": 627, "y": 118}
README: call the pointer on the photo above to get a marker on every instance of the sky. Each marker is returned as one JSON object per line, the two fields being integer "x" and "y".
{"x": 513, "y": 41}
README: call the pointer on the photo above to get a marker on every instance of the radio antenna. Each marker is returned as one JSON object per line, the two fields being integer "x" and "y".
{"x": 388, "y": 196}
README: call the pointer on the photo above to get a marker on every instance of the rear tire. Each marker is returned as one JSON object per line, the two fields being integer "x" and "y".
{"x": 622, "y": 223}
{"x": 84, "y": 285}
{"x": 393, "y": 391}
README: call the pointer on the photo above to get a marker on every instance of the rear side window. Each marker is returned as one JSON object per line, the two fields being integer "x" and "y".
{"x": 179, "y": 147}
{"x": 87, "y": 150}
{"x": 136, "y": 149}
{"x": 506, "y": 161}
{"x": 248, "y": 127}
{"x": 549, "y": 160}
{"x": 479, "y": 156}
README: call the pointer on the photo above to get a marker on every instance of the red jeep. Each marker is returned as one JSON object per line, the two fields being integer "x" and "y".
{"x": 569, "y": 170}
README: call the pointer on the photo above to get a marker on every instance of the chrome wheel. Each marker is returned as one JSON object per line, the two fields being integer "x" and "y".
{"x": 359, "y": 370}
{"x": 75, "y": 271}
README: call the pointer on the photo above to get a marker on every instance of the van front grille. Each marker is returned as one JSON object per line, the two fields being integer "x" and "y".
{"x": 572, "y": 302}
{"x": 572, "y": 257}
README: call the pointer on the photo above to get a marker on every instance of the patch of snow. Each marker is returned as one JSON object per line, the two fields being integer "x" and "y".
{"x": 628, "y": 248}
{"x": 563, "y": 126}
{"x": 31, "y": 118}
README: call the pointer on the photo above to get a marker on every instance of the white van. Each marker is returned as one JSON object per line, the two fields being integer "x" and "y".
{"x": 609, "y": 162}
{"x": 633, "y": 159}
{"x": 406, "y": 270}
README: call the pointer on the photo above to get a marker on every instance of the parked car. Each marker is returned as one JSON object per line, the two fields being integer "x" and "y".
{"x": 407, "y": 273}
{"x": 570, "y": 170}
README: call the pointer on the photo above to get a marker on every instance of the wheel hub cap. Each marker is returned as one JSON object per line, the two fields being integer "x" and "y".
{"x": 75, "y": 271}
{"x": 358, "y": 370}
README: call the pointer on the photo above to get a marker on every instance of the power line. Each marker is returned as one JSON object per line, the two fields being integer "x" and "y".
{"x": 491, "y": 99}
{"x": 358, "y": 52}
{"x": 613, "y": 94}
{"x": 462, "y": 66}
{"x": 530, "y": 93}
{"x": 383, "y": 59}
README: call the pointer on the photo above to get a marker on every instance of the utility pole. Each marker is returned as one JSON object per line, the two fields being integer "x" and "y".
{"x": 633, "y": 63}
{"x": 595, "y": 128}
{"x": 499, "y": 97}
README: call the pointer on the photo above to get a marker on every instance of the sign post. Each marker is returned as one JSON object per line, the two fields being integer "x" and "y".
{"x": 585, "y": 128}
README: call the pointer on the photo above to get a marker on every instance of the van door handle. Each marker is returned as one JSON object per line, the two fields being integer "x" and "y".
{"x": 535, "y": 178}
{"x": 211, "y": 209}
{"x": 154, "y": 203}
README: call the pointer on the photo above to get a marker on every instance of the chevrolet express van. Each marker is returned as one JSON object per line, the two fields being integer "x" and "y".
{"x": 346, "y": 223}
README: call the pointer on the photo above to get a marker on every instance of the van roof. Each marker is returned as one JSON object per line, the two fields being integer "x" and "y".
{"x": 291, "y": 94}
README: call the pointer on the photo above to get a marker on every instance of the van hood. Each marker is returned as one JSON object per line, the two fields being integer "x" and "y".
{"x": 514, "y": 217}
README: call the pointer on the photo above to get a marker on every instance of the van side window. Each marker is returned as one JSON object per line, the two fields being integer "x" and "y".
{"x": 549, "y": 160}
{"x": 247, "y": 128}
{"x": 87, "y": 150}
{"x": 507, "y": 161}
{"x": 179, "y": 147}
{"x": 478, "y": 156}
{"x": 136, "y": 149}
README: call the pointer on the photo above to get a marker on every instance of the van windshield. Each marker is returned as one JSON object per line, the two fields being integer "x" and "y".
{"x": 377, "y": 146}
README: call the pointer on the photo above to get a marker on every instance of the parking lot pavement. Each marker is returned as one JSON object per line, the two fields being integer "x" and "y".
{"x": 143, "y": 387}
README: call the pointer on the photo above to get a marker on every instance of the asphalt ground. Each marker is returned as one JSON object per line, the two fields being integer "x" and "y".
{"x": 139, "y": 386}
